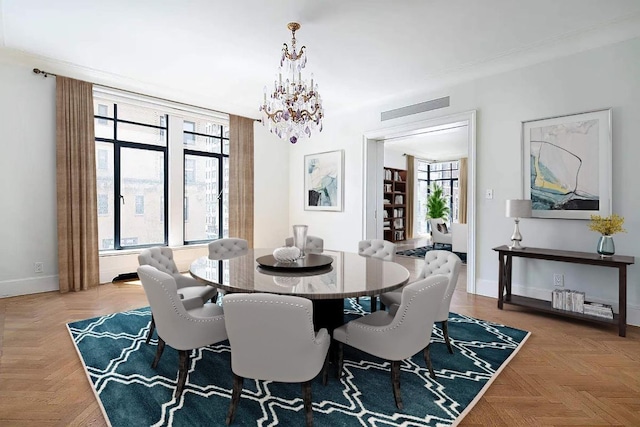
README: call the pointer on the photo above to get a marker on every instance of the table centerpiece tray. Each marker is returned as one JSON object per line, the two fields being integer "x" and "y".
{"x": 309, "y": 262}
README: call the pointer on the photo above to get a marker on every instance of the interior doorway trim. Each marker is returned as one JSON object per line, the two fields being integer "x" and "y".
{"x": 373, "y": 158}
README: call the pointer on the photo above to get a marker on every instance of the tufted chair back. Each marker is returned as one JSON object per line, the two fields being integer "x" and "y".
{"x": 403, "y": 334}
{"x": 175, "y": 325}
{"x": 159, "y": 257}
{"x": 377, "y": 248}
{"x": 272, "y": 337}
{"x": 314, "y": 244}
{"x": 447, "y": 264}
{"x": 228, "y": 248}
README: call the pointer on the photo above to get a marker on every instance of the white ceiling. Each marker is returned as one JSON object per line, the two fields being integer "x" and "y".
{"x": 220, "y": 54}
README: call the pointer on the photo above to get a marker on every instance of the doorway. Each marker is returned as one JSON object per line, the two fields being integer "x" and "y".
{"x": 373, "y": 179}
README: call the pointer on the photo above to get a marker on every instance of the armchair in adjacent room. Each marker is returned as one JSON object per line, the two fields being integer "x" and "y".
{"x": 440, "y": 234}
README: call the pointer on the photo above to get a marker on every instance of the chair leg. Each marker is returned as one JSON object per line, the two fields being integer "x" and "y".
{"x": 152, "y": 327}
{"x": 159, "y": 351}
{"x": 306, "y": 397}
{"x": 374, "y": 303}
{"x": 325, "y": 369}
{"x": 427, "y": 361}
{"x": 395, "y": 381}
{"x": 340, "y": 360}
{"x": 185, "y": 355}
{"x": 445, "y": 332}
{"x": 235, "y": 397}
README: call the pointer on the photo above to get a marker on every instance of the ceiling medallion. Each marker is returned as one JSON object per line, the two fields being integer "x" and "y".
{"x": 294, "y": 108}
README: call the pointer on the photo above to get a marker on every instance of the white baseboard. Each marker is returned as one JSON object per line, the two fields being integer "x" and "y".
{"x": 30, "y": 285}
{"x": 489, "y": 288}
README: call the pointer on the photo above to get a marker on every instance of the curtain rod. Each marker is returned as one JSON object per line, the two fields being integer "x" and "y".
{"x": 46, "y": 74}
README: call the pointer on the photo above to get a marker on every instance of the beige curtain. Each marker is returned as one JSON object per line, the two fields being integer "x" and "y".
{"x": 241, "y": 178}
{"x": 410, "y": 192}
{"x": 462, "y": 181}
{"x": 76, "y": 186}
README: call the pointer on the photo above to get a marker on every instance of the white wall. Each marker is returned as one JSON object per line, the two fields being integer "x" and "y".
{"x": 28, "y": 229}
{"x": 596, "y": 79}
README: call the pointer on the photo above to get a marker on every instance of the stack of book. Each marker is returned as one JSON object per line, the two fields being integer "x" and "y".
{"x": 598, "y": 310}
{"x": 566, "y": 299}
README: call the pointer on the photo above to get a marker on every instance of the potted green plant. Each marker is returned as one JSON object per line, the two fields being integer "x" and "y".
{"x": 437, "y": 205}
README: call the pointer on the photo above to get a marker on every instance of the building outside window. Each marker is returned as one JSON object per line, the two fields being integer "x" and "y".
{"x": 103, "y": 204}
{"x": 139, "y": 205}
{"x": 189, "y": 129}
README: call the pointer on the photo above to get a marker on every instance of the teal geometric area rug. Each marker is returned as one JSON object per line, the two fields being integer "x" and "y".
{"x": 131, "y": 393}
{"x": 421, "y": 251}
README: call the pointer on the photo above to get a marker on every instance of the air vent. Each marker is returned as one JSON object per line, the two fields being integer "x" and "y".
{"x": 434, "y": 104}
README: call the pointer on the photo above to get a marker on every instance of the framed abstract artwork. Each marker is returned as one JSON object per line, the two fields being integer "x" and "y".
{"x": 566, "y": 164}
{"x": 323, "y": 181}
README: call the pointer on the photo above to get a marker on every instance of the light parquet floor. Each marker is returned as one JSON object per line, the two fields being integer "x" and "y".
{"x": 568, "y": 373}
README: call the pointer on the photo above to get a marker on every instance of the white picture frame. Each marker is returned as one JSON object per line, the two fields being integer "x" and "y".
{"x": 323, "y": 181}
{"x": 567, "y": 164}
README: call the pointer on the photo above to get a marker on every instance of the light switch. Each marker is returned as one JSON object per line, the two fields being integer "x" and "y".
{"x": 489, "y": 194}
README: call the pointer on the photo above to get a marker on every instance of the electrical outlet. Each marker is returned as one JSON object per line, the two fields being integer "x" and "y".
{"x": 38, "y": 267}
{"x": 558, "y": 280}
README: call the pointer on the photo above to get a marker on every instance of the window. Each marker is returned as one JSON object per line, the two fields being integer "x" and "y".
{"x": 136, "y": 181}
{"x": 206, "y": 179}
{"x": 444, "y": 174}
{"x": 103, "y": 159}
{"x": 139, "y": 205}
{"x": 134, "y": 163}
{"x": 103, "y": 204}
{"x": 189, "y": 129}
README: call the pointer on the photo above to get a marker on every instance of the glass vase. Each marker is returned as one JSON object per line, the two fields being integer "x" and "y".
{"x": 606, "y": 246}
{"x": 300, "y": 238}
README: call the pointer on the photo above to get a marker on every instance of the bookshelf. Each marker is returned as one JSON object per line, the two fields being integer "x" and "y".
{"x": 394, "y": 218}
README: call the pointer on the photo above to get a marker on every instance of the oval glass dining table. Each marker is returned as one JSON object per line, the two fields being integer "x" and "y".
{"x": 349, "y": 275}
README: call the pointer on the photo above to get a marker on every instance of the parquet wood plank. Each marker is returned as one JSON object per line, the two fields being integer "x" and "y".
{"x": 568, "y": 373}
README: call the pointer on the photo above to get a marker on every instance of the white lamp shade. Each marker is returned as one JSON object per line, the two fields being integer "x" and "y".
{"x": 518, "y": 208}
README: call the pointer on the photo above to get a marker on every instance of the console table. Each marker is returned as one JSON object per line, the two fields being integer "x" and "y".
{"x": 505, "y": 256}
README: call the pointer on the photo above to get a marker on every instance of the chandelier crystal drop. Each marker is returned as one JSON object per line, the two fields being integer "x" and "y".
{"x": 294, "y": 108}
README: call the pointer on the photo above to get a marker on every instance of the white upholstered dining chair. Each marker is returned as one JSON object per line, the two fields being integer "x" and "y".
{"x": 191, "y": 292}
{"x": 181, "y": 329}
{"x": 377, "y": 248}
{"x": 398, "y": 336}
{"x": 436, "y": 262}
{"x": 272, "y": 338}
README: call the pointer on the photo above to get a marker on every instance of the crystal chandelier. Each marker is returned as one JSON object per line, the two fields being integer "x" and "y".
{"x": 294, "y": 108}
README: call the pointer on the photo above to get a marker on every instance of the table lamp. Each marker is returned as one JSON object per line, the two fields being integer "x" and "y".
{"x": 518, "y": 208}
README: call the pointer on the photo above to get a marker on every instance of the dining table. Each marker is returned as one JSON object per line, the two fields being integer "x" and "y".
{"x": 326, "y": 279}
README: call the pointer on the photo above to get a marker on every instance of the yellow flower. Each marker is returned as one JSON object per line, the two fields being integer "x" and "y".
{"x": 607, "y": 225}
